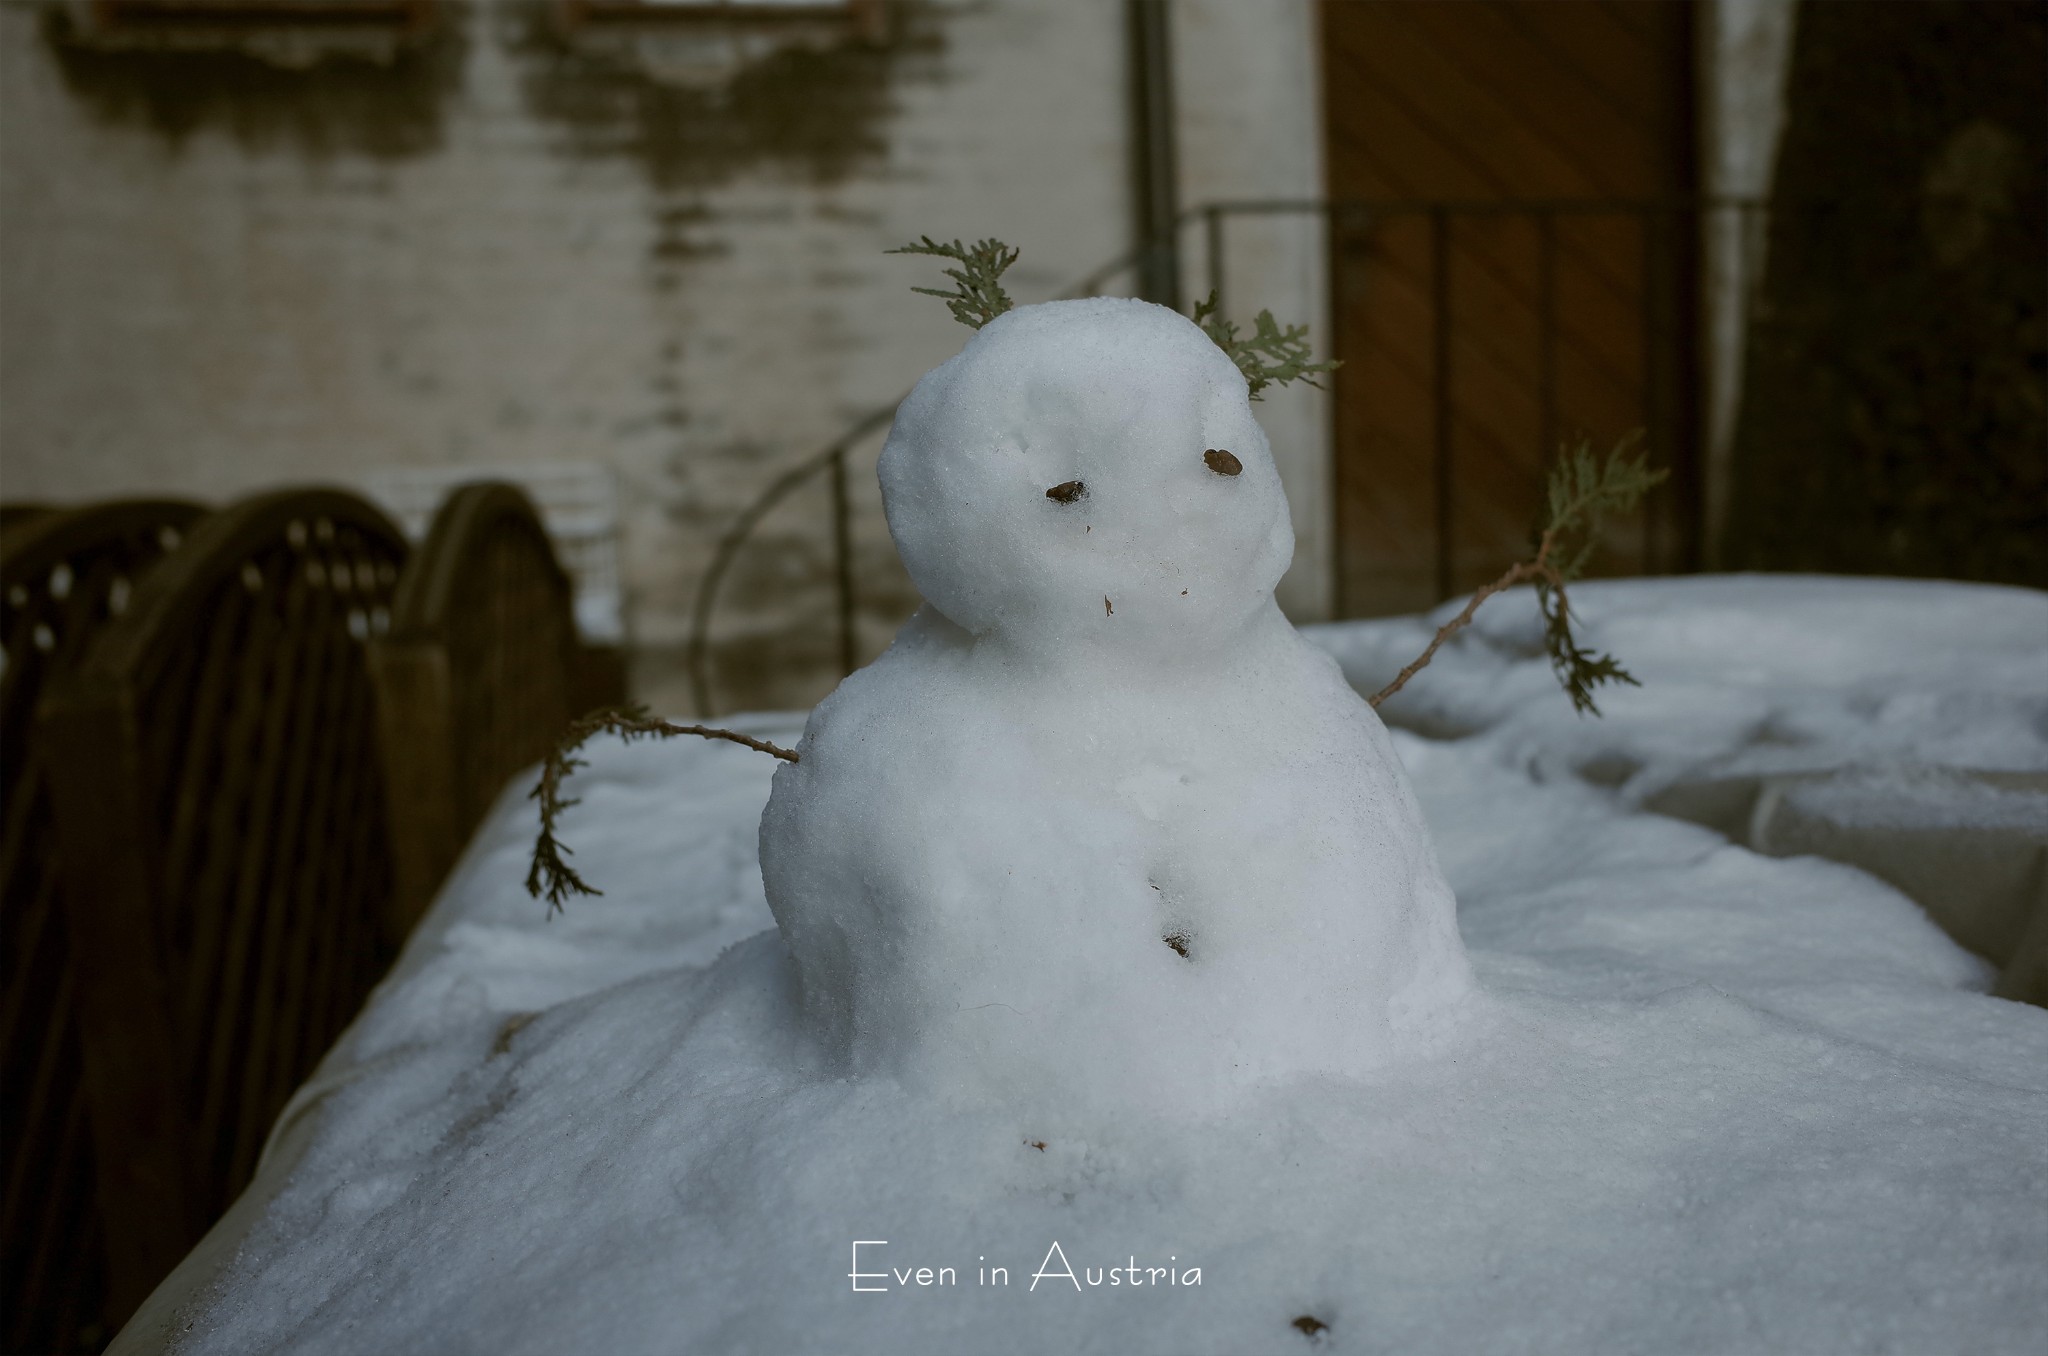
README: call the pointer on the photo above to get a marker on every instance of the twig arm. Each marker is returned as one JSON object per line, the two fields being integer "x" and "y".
{"x": 1526, "y": 570}
{"x": 550, "y": 873}
{"x": 1582, "y": 488}
{"x": 663, "y": 728}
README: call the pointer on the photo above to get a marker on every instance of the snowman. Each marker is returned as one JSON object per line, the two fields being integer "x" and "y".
{"x": 1101, "y": 826}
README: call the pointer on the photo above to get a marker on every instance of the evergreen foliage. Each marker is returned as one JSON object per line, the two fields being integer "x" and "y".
{"x": 1583, "y": 490}
{"x": 1271, "y": 356}
{"x": 977, "y": 296}
{"x": 550, "y": 872}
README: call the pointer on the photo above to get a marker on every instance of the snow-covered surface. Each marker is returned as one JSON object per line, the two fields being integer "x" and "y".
{"x": 1116, "y": 998}
{"x": 1709, "y": 1100}
{"x": 1741, "y": 675}
{"x": 1898, "y": 725}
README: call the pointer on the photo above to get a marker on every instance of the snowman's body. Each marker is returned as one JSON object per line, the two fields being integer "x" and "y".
{"x": 1100, "y": 824}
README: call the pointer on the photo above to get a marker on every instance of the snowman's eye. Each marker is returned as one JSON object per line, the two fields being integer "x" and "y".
{"x": 1066, "y": 493}
{"x": 1221, "y": 462}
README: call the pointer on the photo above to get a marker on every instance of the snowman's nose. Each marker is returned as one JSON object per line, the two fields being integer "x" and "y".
{"x": 1066, "y": 492}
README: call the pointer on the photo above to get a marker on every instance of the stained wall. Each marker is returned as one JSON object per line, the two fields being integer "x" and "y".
{"x": 505, "y": 247}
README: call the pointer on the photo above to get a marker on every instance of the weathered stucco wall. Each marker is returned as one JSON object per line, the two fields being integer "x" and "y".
{"x": 220, "y": 275}
{"x": 1250, "y": 128}
{"x": 660, "y": 255}
{"x": 1744, "y": 48}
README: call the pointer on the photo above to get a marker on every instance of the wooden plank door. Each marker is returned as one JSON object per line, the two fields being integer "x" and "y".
{"x": 1511, "y": 266}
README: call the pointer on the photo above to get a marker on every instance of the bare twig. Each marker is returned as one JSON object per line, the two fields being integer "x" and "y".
{"x": 1516, "y": 574}
{"x": 1582, "y": 490}
{"x": 550, "y": 873}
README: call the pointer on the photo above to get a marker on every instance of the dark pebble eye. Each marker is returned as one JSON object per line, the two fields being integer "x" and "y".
{"x": 1221, "y": 462}
{"x": 1069, "y": 492}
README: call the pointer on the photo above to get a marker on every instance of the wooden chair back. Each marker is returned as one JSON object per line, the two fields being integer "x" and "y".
{"x": 222, "y": 823}
{"x": 64, "y": 574}
{"x": 477, "y": 677}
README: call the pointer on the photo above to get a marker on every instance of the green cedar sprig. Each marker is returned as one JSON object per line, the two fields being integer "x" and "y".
{"x": 1582, "y": 491}
{"x": 977, "y": 296}
{"x": 1271, "y": 356}
{"x": 550, "y": 872}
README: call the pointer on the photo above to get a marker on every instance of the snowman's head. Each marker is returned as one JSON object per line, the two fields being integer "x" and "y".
{"x": 1088, "y": 474}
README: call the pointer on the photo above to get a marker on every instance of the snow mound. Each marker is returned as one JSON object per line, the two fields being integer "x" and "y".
{"x": 1713, "y": 1102}
{"x": 1100, "y": 792}
{"x": 1742, "y": 675}
{"x": 1111, "y": 935}
{"x": 1897, "y": 725}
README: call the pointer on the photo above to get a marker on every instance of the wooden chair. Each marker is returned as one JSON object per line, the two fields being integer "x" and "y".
{"x": 222, "y": 823}
{"x": 64, "y": 575}
{"x": 477, "y": 677}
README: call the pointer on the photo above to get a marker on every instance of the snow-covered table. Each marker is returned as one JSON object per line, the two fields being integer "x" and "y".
{"x": 1900, "y": 726}
{"x": 1715, "y": 1101}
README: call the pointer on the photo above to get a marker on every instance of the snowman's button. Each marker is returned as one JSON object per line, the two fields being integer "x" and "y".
{"x": 1068, "y": 492}
{"x": 1221, "y": 462}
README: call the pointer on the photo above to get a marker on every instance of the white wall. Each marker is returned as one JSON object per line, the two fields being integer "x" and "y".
{"x": 233, "y": 308}
{"x": 1744, "y": 53}
{"x": 533, "y": 264}
{"x": 1251, "y": 127}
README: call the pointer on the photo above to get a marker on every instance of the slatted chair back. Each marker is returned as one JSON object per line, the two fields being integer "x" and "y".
{"x": 222, "y": 824}
{"x": 63, "y": 576}
{"x": 478, "y": 676}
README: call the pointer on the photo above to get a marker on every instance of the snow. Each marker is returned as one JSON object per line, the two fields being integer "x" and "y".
{"x": 1099, "y": 784}
{"x": 1714, "y": 1101}
{"x": 1123, "y": 398}
{"x": 1897, "y": 725}
{"x": 1742, "y": 675}
{"x": 1684, "y": 1096}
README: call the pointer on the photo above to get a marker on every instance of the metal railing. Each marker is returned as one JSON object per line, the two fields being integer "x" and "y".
{"x": 1669, "y": 237}
{"x": 1668, "y": 225}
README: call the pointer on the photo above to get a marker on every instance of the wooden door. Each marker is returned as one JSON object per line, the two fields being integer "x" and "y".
{"x": 1511, "y": 265}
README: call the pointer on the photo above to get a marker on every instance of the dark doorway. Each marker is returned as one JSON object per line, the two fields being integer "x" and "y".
{"x": 1895, "y": 395}
{"x": 1512, "y": 261}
